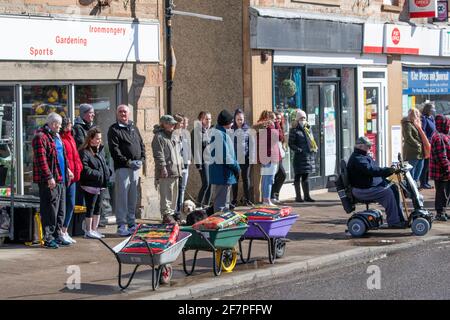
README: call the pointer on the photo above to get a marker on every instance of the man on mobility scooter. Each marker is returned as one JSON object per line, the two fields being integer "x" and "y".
{"x": 368, "y": 183}
{"x": 361, "y": 181}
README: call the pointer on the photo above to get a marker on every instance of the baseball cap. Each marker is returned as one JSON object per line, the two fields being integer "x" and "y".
{"x": 168, "y": 119}
{"x": 364, "y": 140}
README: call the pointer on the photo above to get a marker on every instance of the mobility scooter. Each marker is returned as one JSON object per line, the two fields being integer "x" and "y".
{"x": 418, "y": 218}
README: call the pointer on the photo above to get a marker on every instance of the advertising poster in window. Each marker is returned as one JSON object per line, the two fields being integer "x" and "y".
{"x": 330, "y": 141}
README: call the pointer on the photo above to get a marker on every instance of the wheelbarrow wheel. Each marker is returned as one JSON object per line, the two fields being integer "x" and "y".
{"x": 280, "y": 248}
{"x": 228, "y": 257}
{"x": 166, "y": 274}
{"x": 217, "y": 262}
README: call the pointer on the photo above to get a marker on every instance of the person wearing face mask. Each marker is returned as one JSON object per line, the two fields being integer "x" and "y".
{"x": 440, "y": 166}
{"x": 304, "y": 147}
{"x": 93, "y": 180}
{"x": 429, "y": 127}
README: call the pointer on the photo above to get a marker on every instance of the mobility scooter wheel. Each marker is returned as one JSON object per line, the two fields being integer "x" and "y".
{"x": 420, "y": 226}
{"x": 357, "y": 227}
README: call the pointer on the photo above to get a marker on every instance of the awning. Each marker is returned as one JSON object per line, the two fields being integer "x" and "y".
{"x": 286, "y": 29}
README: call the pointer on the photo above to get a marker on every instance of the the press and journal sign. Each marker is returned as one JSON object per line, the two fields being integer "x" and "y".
{"x": 423, "y": 8}
{"x": 49, "y": 39}
{"x": 422, "y": 81}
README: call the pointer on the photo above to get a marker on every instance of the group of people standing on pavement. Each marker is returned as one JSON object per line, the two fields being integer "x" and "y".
{"x": 225, "y": 152}
{"x": 426, "y": 146}
{"x": 70, "y": 167}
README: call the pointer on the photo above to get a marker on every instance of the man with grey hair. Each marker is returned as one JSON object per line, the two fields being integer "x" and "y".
{"x": 368, "y": 183}
{"x": 52, "y": 175}
{"x": 83, "y": 123}
{"x": 128, "y": 153}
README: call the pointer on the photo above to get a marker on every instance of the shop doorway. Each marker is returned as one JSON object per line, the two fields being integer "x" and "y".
{"x": 374, "y": 114}
{"x": 322, "y": 108}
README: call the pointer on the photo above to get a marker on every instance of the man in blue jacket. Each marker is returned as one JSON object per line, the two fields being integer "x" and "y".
{"x": 223, "y": 167}
{"x": 368, "y": 183}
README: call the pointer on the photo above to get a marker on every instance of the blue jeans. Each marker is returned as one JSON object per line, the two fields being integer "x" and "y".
{"x": 266, "y": 188}
{"x": 70, "y": 203}
{"x": 417, "y": 165}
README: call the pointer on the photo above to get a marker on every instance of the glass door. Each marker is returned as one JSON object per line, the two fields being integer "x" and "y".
{"x": 321, "y": 109}
{"x": 7, "y": 103}
{"x": 373, "y": 120}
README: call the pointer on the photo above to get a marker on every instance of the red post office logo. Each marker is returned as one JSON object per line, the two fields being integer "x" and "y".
{"x": 395, "y": 36}
{"x": 422, "y": 3}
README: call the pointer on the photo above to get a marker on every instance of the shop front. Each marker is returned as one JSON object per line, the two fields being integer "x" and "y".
{"x": 54, "y": 64}
{"x": 328, "y": 96}
{"x": 322, "y": 71}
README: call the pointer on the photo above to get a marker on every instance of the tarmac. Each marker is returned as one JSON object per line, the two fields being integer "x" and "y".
{"x": 87, "y": 270}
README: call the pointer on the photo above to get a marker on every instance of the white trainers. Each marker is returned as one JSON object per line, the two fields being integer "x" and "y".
{"x": 122, "y": 231}
{"x": 101, "y": 235}
{"x": 71, "y": 239}
{"x": 91, "y": 234}
{"x": 68, "y": 238}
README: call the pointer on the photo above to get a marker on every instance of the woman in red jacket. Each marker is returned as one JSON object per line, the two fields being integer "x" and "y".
{"x": 73, "y": 159}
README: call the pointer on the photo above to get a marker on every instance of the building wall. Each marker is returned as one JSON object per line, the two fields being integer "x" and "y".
{"x": 209, "y": 67}
{"x": 143, "y": 83}
{"x": 394, "y": 76}
{"x": 373, "y": 9}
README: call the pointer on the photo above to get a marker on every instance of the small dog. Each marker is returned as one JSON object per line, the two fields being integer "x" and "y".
{"x": 191, "y": 214}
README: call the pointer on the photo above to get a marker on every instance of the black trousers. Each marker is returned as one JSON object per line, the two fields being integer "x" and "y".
{"x": 52, "y": 209}
{"x": 280, "y": 177}
{"x": 93, "y": 203}
{"x": 442, "y": 195}
{"x": 204, "y": 195}
{"x": 425, "y": 171}
{"x": 245, "y": 174}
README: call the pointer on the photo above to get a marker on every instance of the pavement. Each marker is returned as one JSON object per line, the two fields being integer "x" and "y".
{"x": 87, "y": 270}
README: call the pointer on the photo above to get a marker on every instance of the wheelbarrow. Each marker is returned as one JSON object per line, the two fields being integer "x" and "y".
{"x": 160, "y": 262}
{"x": 272, "y": 231}
{"x": 220, "y": 242}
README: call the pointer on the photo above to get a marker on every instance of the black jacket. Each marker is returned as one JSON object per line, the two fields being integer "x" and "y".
{"x": 125, "y": 143}
{"x": 364, "y": 172}
{"x": 79, "y": 131}
{"x": 304, "y": 161}
{"x": 96, "y": 172}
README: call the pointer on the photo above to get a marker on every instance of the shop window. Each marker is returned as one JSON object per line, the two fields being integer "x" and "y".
{"x": 103, "y": 97}
{"x": 6, "y": 135}
{"x": 323, "y": 72}
{"x": 37, "y": 102}
{"x": 288, "y": 96}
